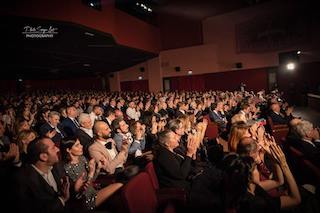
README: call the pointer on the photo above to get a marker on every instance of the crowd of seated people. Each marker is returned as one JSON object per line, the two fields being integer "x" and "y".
{"x": 54, "y": 146}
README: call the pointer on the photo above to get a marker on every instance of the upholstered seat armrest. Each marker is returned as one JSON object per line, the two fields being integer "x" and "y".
{"x": 172, "y": 194}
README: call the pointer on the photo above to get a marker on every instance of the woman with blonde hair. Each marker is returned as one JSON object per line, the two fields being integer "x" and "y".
{"x": 23, "y": 139}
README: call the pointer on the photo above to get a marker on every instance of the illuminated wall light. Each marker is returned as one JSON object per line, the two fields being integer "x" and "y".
{"x": 140, "y": 77}
{"x": 20, "y": 80}
{"x": 291, "y": 66}
{"x": 91, "y": 4}
{"x": 190, "y": 72}
{"x": 299, "y": 52}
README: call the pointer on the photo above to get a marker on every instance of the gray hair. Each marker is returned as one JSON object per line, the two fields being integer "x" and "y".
{"x": 303, "y": 128}
{"x": 52, "y": 113}
{"x": 83, "y": 117}
{"x": 163, "y": 137}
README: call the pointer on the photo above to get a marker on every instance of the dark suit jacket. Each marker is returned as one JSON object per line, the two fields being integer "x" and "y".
{"x": 58, "y": 137}
{"x": 310, "y": 152}
{"x": 85, "y": 141}
{"x": 178, "y": 113}
{"x": 171, "y": 112}
{"x": 172, "y": 170}
{"x": 35, "y": 194}
{"x": 69, "y": 127}
{"x": 214, "y": 117}
{"x": 278, "y": 119}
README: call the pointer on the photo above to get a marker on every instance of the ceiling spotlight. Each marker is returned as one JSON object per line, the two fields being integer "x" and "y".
{"x": 91, "y": 4}
{"x": 140, "y": 77}
{"x": 137, "y": 4}
{"x": 291, "y": 66}
{"x": 20, "y": 79}
{"x": 150, "y": 10}
{"x": 299, "y": 52}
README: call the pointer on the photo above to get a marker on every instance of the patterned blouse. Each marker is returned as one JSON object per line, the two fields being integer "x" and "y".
{"x": 74, "y": 171}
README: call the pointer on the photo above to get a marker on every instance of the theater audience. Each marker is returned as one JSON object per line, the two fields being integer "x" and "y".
{"x": 168, "y": 123}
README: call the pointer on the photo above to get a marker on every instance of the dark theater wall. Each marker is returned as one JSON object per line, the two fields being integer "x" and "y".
{"x": 12, "y": 86}
{"x": 297, "y": 83}
{"x": 139, "y": 35}
{"x": 189, "y": 32}
{"x": 133, "y": 86}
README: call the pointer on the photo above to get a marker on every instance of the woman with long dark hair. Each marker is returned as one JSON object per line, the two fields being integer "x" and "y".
{"x": 243, "y": 194}
{"x": 76, "y": 165}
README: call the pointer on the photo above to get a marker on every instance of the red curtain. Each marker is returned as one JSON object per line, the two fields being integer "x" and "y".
{"x": 255, "y": 79}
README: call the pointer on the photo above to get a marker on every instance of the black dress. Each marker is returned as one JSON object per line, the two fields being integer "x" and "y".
{"x": 260, "y": 202}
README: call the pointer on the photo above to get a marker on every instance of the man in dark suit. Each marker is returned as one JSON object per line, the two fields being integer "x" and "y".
{"x": 52, "y": 128}
{"x": 216, "y": 117}
{"x": 309, "y": 142}
{"x": 109, "y": 116}
{"x": 277, "y": 117}
{"x": 85, "y": 133}
{"x": 112, "y": 105}
{"x": 42, "y": 186}
{"x": 39, "y": 185}
{"x": 70, "y": 124}
{"x": 173, "y": 169}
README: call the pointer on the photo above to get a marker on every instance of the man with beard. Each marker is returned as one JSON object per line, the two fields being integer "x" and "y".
{"x": 122, "y": 133}
{"x": 104, "y": 149}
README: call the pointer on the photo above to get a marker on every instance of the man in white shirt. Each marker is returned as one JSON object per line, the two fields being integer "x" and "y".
{"x": 132, "y": 112}
{"x": 96, "y": 114}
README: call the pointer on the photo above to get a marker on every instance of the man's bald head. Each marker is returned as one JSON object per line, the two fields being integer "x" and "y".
{"x": 101, "y": 128}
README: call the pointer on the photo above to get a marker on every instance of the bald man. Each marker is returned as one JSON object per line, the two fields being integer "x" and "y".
{"x": 104, "y": 150}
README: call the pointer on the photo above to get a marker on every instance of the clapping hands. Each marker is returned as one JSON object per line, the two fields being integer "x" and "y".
{"x": 191, "y": 145}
